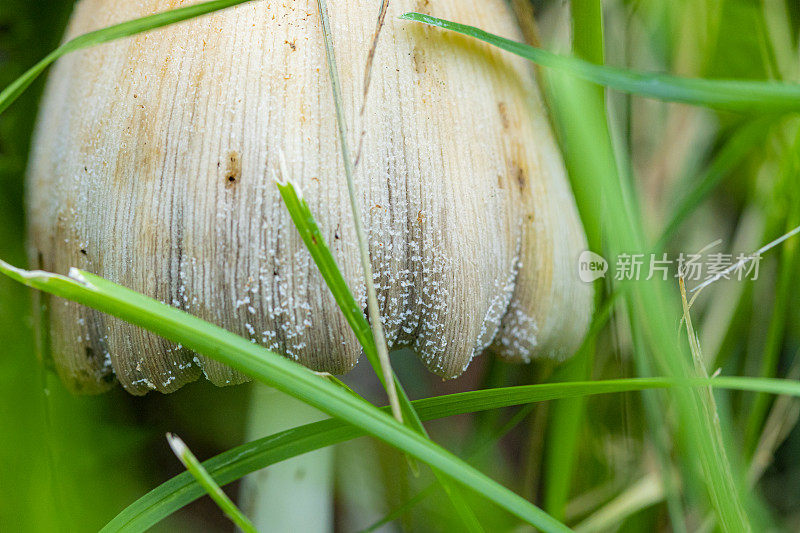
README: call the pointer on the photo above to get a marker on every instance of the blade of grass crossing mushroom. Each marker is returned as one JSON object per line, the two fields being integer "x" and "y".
{"x": 730, "y": 95}
{"x": 388, "y": 380}
{"x": 195, "y": 468}
{"x": 111, "y": 33}
{"x": 306, "y": 225}
{"x": 242, "y": 460}
{"x": 309, "y": 231}
{"x": 276, "y": 371}
{"x": 565, "y": 95}
{"x": 363, "y": 249}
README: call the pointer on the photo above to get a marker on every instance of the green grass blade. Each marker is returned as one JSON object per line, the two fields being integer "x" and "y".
{"x": 105, "y": 35}
{"x": 307, "y": 226}
{"x": 566, "y": 417}
{"x": 309, "y": 231}
{"x": 247, "y": 458}
{"x": 730, "y": 95}
{"x": 784, "y": 292}
{"x": 193, "y": 466}
{"x": 660, "y": 433}
{"x": 481, "y": 448}
{"x": 607, "y": 203}
{"x": 276, "y": 371}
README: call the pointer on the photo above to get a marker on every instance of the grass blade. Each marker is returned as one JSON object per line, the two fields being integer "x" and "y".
{"x": 363, "y": 247}
{"x": 614, "y": 211}
{"x": 193, "y": 466}
{"x": 566, "y": 418}
{"x": 306, "y": 225}
{"x": 315, "y": 243}
{"x": 276, "y": 371}
{"x": 242, "y": 460}
{"x": 105, "y": 35}
{"x": 730, "y": 95}
{"x": 644, "y": 493}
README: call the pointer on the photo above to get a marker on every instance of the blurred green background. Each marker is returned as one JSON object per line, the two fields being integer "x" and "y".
{"x": 72, "y": 463}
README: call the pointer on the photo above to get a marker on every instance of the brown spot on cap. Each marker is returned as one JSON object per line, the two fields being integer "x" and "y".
{"x": 502, "y": 108}
{"x": 519, "y": 174}
{"x": 233, "y": 169}
{"x": 418, "y": 59}
{"x": 522, "y": 178}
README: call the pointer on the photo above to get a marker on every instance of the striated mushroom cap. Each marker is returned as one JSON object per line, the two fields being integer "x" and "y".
{"x": 153, "y": 166}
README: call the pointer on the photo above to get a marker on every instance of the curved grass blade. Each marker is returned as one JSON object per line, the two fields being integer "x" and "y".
{"x": 309, "y": 231}
{"x": 730, "y": 95}
{"x": 276, "y": 371}
{"x": 201, "y": 475}
{"x": 105, "y": 35}
{"x": 620, "y": 221}
{"x": 247, "y": 458}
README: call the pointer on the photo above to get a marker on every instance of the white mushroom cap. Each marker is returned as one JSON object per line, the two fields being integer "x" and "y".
{"x": 153, "y": 166}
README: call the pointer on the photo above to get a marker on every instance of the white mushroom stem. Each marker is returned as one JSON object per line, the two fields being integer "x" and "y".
{"x": 293, "y": 495}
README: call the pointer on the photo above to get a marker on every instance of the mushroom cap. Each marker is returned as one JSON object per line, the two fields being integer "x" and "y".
{"x": 153, "y": 166}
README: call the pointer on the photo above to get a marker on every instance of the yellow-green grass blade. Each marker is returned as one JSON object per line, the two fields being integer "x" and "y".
{"x": 617, "y": 216}
{"x": 566, "y": 418}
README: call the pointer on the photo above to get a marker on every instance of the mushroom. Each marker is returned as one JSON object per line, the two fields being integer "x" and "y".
{"x": 153, "y": 166}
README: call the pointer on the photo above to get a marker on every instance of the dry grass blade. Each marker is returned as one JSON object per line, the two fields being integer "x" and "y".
{"x": 708, "y": 408}
{"x": 368, "y": 74}
{"x": 646, "y": 492}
